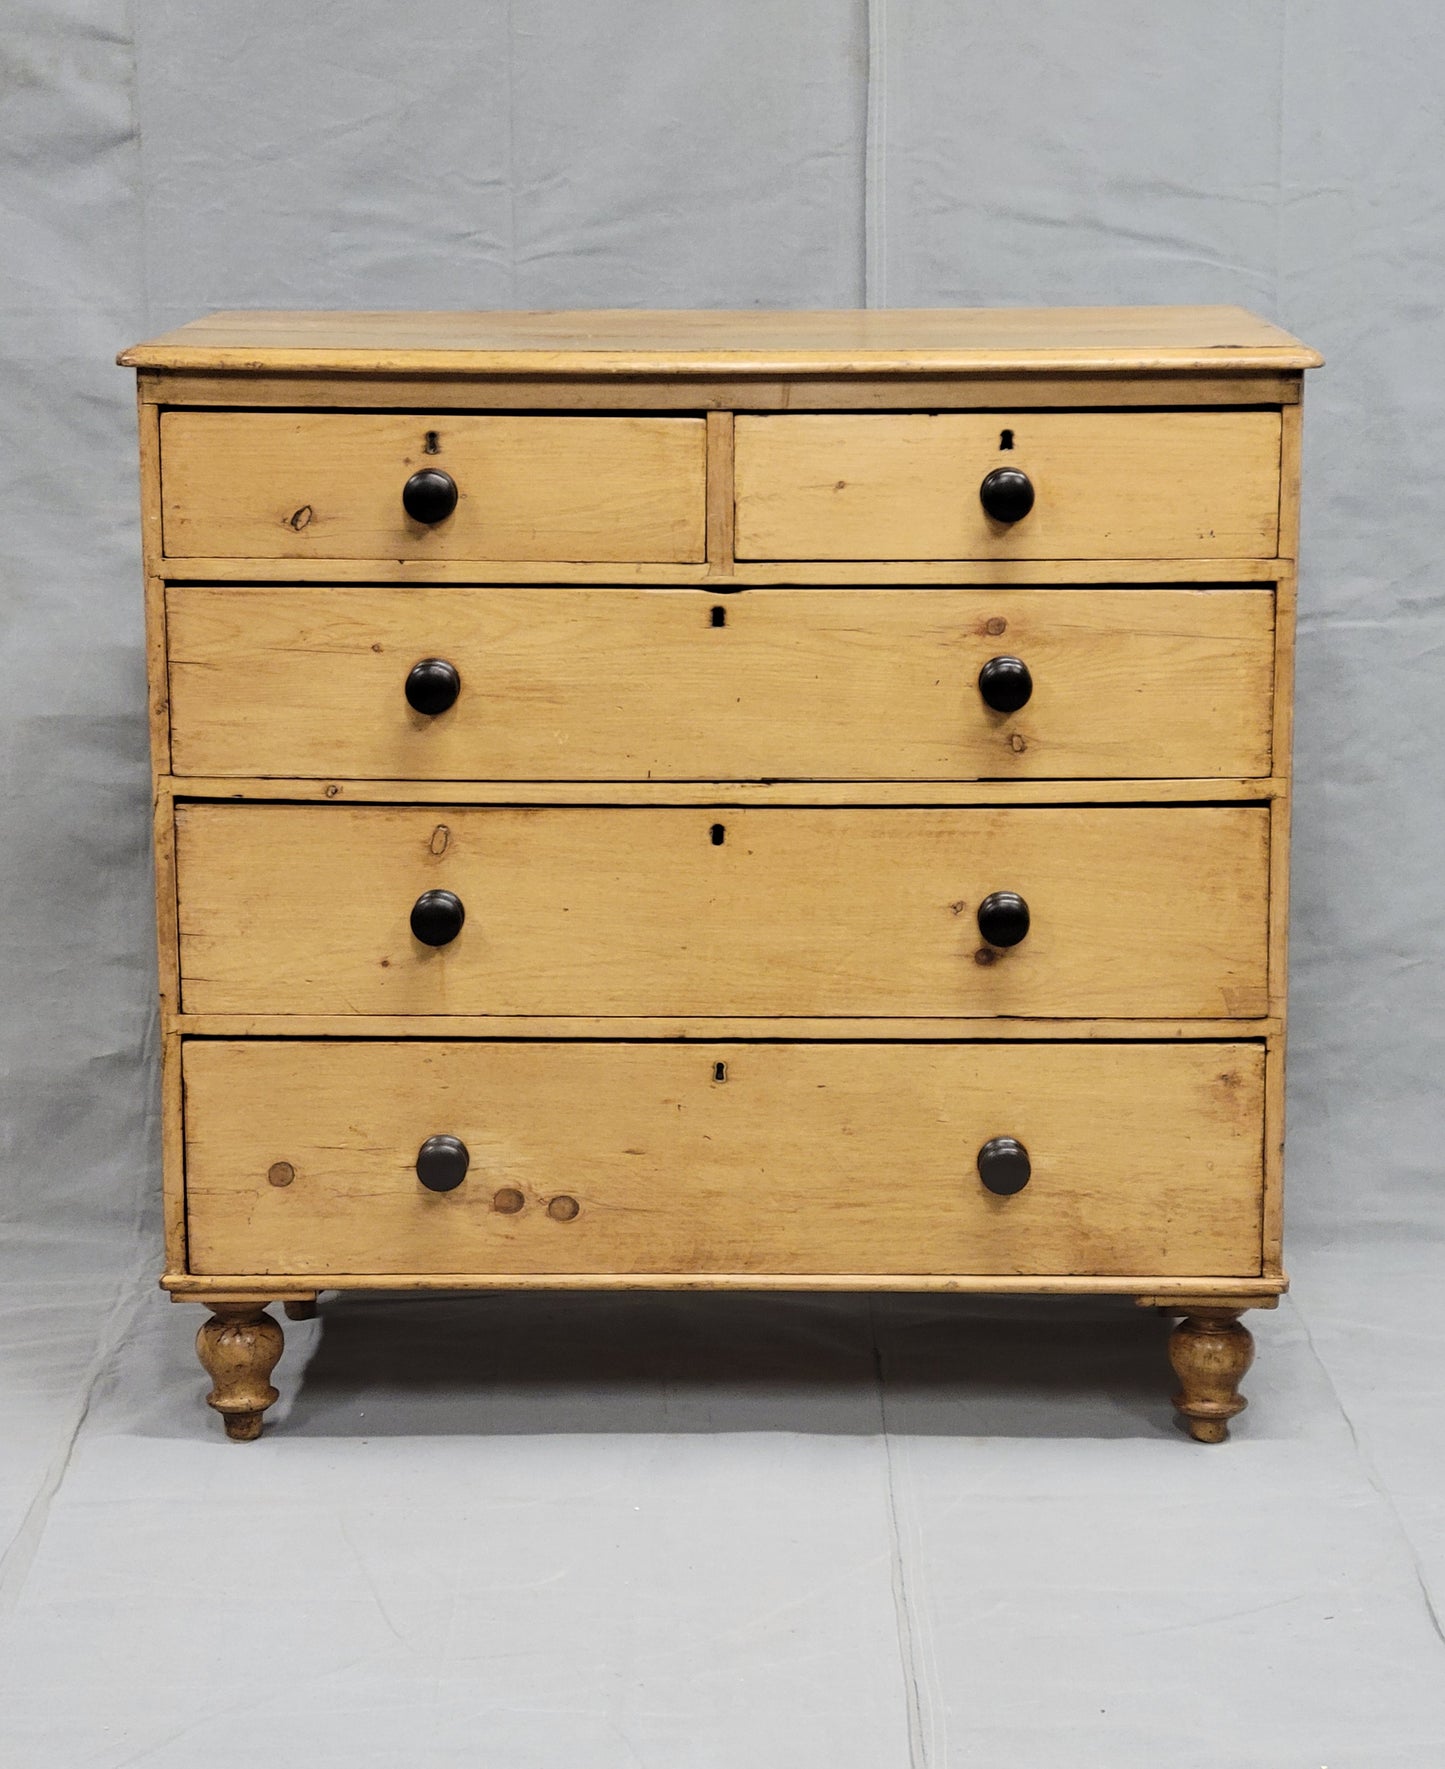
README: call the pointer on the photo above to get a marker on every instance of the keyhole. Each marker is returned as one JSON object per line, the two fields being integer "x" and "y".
{"x": 719, "y": 835}
{"x": 433, "y": 444}
{"x": 719, "y": 617}
{"x": 1006, "y": 439}
{"x": 719, "y": 1071}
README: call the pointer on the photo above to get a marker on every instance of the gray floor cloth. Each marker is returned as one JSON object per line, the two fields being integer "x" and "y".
{"x": 693, "y": 1530}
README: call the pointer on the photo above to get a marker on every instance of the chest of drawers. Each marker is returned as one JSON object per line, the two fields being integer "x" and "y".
{"x": 763, "y": 801}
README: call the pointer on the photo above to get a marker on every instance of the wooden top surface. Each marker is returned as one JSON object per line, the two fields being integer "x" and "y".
{"x": 936, "y": 340}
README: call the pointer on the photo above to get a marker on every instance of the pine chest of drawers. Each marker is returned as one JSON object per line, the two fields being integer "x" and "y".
{"x": 722, "y": 800}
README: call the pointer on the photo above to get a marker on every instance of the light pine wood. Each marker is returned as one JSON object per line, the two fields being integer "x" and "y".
{"x": 845, "y": 667}
{"x": 612, "y": 684}
{"x": 720, "y": 493}
{"x": 1211, "y": 1353}
{"x": 1127, "y": 484}
{"x": 722, "y": 793}
{"x": 1172, "y": 1298}
{"x": 909, "y": 341}
{"x": 307, "y": 485}
{"x": 915, "y": 1028}
{"x": 694, "y": 393}
{"x": 832, "y": 573}
{"x": 1151, "y": 912}
{"x": 173, "y": 1161}
{"x": 1246, "y": 1292}
{"x": 239, "y": 1346}
{"x": 859, "y": 1158}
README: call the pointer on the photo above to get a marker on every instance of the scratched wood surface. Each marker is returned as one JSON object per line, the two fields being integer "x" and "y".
{"x": 726, "y": 1157}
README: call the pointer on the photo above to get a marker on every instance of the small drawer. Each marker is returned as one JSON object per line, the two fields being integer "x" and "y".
{"x": 557, "y": 683}
{"x": 1099, "y": 485}
{"x": 1154, "y": 912}
{"x": 866, "y": 1159}
{"x": 333, "y": 485}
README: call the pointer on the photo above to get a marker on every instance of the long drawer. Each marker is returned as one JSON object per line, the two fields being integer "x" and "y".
{"x": 557, "y": 683}
{"x": 1132, "y": 911}
{"x": 330, "y": 485}
{"x": 1137, "y": 484}
{"x": 727, "y": 1158}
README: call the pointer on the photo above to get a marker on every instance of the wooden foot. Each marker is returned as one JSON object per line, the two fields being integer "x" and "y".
{"x": 300, "y": 1311}
{"x": 239, "y": 1347}
{"x": 1210, "y": 1353}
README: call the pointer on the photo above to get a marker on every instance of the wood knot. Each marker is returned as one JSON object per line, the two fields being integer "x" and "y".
{"x": 1017, "y": 744}
{"x": 985, "y": 955}
{"x": 995, "y": 625}
{"x": 299, "y": 519}
{"x": 508, "y": 1201}
{"x": 563, "y": 1209}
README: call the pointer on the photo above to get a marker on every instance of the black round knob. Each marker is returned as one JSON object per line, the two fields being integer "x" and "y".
{"x": 433, "y": 685}
{"x": 437, "y": 917}
{"x": 1006, "y": 494}
{"x": 1003, "y": 1165}
{"x": 429, "y": 496}
{"x": 442, "y": 1162}
{"x": 1003, "y": 918}
{"x": 1005, "y": 684}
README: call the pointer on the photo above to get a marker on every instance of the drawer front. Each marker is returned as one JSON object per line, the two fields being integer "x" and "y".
{"x": 1135, "y": 911}
{"x": 615, "y": 684}
{"x": 736, "y": 1158}
{"x": 289, "y": 485}
{"x": 1107, "y": 485}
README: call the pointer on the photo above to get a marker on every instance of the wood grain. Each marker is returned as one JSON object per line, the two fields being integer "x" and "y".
{"x": 941, "y": 340}
{"x": 798, "y": 1158}
{"x": 308, "y": 485}
{"x": 229, "y": 1287}
{"x": 1135, "y": 484}
{"x": 566, "y": 683}
{"x": 828, "y": 573}
{"x": 1154, "y": 912}
{"x": 721, "y": 793}
{"x": 691, "y": 392}
{"x": 712, "y": 1026}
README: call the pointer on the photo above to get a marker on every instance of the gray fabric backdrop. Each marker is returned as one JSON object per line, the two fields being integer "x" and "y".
{"x": 704, "y": 1531}
{"x": 165, "y": 159}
